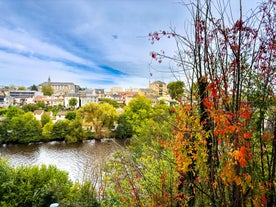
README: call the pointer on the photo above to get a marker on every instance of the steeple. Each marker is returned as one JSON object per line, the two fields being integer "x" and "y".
{"x": 49, "y": 80}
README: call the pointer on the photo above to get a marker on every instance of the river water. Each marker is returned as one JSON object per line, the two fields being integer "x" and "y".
{"x": 81, "y": 160}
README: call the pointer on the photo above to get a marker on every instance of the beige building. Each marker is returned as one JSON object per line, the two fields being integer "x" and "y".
{"x": 115, "y": 90}
{"x": 159, "y": 87}
{"x": 61, "y": 87}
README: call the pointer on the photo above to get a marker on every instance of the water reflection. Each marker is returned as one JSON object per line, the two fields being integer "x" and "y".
{"x": 80, "y": 160}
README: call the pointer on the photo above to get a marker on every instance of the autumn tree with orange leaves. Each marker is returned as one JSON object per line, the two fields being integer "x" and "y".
{"x": 224, "y": 145}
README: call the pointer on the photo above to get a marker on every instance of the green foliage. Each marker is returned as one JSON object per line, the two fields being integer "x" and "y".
{"x": 73, "y": 102}
{"x": 34, "y": 87}
{"x": 47, "y": 131}
{"x": 60, "y": 130}
{"x": 13, "y": 111}
{"x": 30, "y": 107}
{"x": 124, "y": 129}
{"x": 24, "y": 129}
{"x": 22, "y": 88}
{"x": 101, "y": 116}
{"x": 3, "y": 111}
{"x": 83, "y": 195}
{"x": 40, "y": 186}
{"x": 41, "y": 105}
{"x": 76, "y": 132}
{"x": 71, "y": 115}
{"x": 45, "y": 118}
{"x": 137, "y": 114}
{"x": 144, "y": 174}
{"x": 176, "y": 89}
{"x": 111, "y": 102}
{"x": 47, "y": 89}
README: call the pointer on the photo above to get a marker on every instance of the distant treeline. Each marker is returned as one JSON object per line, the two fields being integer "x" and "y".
{"x": 92, "y": 121}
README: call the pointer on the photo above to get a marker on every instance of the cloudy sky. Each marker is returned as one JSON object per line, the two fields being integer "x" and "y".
{"x": 93, "y": 43}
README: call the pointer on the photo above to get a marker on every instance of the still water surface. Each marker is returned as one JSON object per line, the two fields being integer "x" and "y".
{"x": 80, "y": 160}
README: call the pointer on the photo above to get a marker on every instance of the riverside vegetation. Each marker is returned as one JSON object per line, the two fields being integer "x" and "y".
{"x": 217, "y": 146}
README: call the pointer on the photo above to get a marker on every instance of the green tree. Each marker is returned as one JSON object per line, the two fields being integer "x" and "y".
{"x": 114, "y": 103}
{"x": 124, "y": 128}
{"x": 71, "y": 115}
{"x": 101, "y": 116}
{"x": 60, "y": 130}
{"x": 29, "y": 107}
{"x": 47, "y": 89}
{"x": 45, "y": 118}
{"x": 34, "y": 87}
{"x": 47, "y": 131}
{"x": 41, "y": 105}
{"x": 73, "y": 102}
{"x": 76, "y": 132}
{"x": 176, "y": 89}
{"x": 144, "y": 174}
{"x": 24, "y": 128}
{"x": 13, "y": 111}
{"x": 39, "y": 186}
{"x": 138, "y": 113}
{"x": 22, "y": 88}
{"x": 83, "y": 195}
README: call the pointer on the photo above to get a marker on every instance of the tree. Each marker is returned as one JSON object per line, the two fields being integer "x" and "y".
{"x": 73, "y": 102}
{"x": 101, "y": 116}
{"x": 76, "y": 132}
{"x": 143, "y": 174}
{"x": 124, "y": 129}
{"x": 111, "y": 102}
{"x": 220, "y": 143}
{"x": 138, "y": 113}
{"x": 71, "y": 115}
{"x": 22, "y": 88}
{"x": 34, "y": 87}
{"x": 45, "y": 118}
{"x": 13, "y": 111}
{"x": 47, "y": 89}
{"x": 47, "y": 131}
{"x": 24, "y": 129}
{"x": 60, "y": 130}
{"x": 29, "y": 107}
{"x": 41, "y": 105}
{"x": 176, "y": 89}
{"x": 39, "y": 186}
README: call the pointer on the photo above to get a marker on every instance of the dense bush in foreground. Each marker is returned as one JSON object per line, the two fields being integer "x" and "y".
{"x": 40, "y": 186}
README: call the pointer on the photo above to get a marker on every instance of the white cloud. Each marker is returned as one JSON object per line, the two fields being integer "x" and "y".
{"x": 34, "y": 44}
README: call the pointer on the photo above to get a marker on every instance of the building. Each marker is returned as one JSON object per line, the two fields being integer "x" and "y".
{"x": 147, "y": 92}
{"x": 23, "y": 94}
{"x": 23, "y": 97}
{"x": 115, "y": 90}
{"x": 61, "y": 87}
{"x": 82, "y": 98}
{"x": 100, "y": 93}
{"x": 159, "y": 87}
{"x": 50, "y": 100}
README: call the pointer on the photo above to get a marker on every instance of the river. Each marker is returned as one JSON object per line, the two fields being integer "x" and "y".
{"x": 80, "y": 160}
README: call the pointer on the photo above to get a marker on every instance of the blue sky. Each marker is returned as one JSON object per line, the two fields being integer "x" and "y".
{"x": 93, "y": 43}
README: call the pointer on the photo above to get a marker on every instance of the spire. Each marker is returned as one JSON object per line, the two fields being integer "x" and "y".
{"x": 49, "y": 80}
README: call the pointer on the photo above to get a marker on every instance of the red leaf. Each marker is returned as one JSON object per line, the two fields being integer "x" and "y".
{"x": 153, "y": 55}
{"x": 264, "y": 199}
